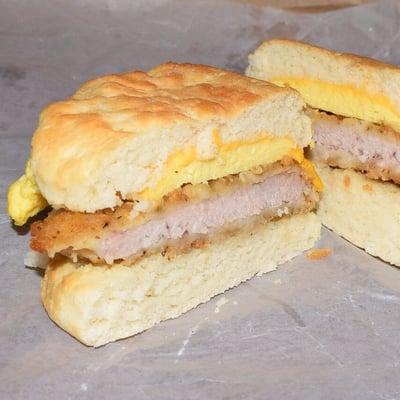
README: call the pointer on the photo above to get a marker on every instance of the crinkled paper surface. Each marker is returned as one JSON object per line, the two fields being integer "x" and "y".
{"x": 327, "y": 329}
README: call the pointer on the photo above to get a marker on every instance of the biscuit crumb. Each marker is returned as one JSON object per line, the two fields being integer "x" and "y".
{"x": 346, "y": 181}
{"x": 368, "y": 188}
{"x": 84, "y": 387}
{"x": 221, "y": 302}
{"x": 317, "y": 254}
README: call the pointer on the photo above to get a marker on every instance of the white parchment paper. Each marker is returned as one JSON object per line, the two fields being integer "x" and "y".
{"x": 312, "y": 330}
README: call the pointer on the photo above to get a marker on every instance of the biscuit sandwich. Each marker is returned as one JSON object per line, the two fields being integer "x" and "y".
{"x": 355, "y": 105}
{"x": 166, "y": 188}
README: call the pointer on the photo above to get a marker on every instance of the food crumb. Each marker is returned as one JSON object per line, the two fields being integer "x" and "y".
{"x": 219, "y": 304}
{"x": 277, "y": 281}
{"x": 317, "y": 254}
{"x": 84, "y": 387}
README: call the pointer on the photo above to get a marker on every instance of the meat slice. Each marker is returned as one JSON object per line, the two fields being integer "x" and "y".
{"x": 360, "y": 145}
{"x": 277, "y": 194}
{"x": 281, "y": 191}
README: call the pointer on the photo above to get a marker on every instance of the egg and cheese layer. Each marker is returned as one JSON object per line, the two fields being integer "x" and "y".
{"x": 25, "y": 200}
{"x": 346, "y": 100}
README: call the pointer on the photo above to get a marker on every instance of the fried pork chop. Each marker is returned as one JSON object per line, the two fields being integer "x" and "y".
{"x": 357, "y": 144}
{"x": 189, "y": 217}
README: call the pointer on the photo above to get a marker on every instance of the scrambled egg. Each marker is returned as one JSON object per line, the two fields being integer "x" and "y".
{"x": 234, "y": 157}
{"x": 346, "y": 100}
{"x": 24, "y": 198}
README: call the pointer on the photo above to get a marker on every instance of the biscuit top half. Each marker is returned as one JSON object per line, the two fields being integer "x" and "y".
{"x": 138, "y": 136}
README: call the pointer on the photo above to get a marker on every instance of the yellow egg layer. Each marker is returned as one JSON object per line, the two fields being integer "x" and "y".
{"x": 24, "y": 199}
{"x": 346, "y": 100}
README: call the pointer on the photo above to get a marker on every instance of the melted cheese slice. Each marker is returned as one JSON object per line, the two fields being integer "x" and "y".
{"x": 24, "y": 199}
{"x": 231, "y": 158}
{"x": 346, "y": 100}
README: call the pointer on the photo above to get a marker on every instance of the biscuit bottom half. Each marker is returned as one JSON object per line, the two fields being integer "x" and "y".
{"x": 364, "y": 211}
{"x": 100, "y": 304}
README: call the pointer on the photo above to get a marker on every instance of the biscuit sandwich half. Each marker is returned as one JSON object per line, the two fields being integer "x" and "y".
{"x": 355, "y": 105}
{"x": 166, "y": 188}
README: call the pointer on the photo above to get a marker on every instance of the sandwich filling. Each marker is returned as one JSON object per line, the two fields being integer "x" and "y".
{"x": 192, "y": 216}
{"x": 359, "y": 131}
{"x": 25, "y": 199}
{"x": 356, "y": 144}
